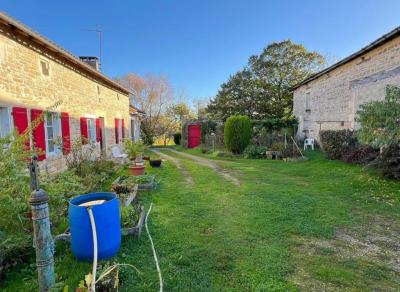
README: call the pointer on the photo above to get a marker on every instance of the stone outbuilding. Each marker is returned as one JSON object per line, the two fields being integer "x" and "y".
{"x": 37, "y": 75}
{"x": 330, "y": 99}
{"x": 136, "y": 118}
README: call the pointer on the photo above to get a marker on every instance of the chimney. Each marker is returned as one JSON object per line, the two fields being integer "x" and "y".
{"x": 91, "y": 61}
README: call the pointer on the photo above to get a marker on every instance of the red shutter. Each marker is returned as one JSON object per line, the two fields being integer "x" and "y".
{"x": 84, "y": 130}
{"x": 20, "y": 116}
{"x": 98, "y": 130}
{"x": 65, "y": 132}
{"x": 39, "y": 138}
{"x": 116, "y": 131}
{"x": 123, "y": 128}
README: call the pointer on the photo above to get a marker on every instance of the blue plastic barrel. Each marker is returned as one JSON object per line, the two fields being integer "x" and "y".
{"x": 108, "y": 226}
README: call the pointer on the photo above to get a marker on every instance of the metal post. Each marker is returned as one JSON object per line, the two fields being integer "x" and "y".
{"x": 42, "y": 239}
{"x": 213, "y": 140}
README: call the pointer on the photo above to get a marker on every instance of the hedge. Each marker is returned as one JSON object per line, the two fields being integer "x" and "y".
{"x": 337, "y": 143}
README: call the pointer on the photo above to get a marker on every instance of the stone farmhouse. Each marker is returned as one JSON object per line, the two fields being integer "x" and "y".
{"x": 36, "y": 75}
{"x": 330, "y": 99}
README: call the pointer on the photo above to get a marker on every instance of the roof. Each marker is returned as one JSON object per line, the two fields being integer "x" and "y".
{"x": 380, "y": 41}
{"x": 36, "y": 37}
{"x": 135, "y": 111}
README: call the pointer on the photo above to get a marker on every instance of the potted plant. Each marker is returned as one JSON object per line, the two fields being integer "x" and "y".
{"x": 155, "y": 163}
{"x": 135, "y": 152}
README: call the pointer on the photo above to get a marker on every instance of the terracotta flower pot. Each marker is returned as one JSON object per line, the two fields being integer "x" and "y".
{"x": 137, "y": 169}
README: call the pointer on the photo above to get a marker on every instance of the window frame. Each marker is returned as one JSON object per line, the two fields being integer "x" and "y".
{"x": 120, "y": 139}
{"x": 10, "y": 120}
{"x": 56, "y": 151}
{"x": 47, "y": 62}
{"x": 91, "y": 123}
{"x": 307, "y": 102}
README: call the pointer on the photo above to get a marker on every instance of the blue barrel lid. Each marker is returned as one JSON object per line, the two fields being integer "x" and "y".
{"x": 78, "y": 200}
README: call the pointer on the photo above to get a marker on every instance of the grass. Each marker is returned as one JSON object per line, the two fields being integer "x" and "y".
{"x": 289, "y": 226}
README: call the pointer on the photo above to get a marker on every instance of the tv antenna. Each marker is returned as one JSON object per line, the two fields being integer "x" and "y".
{"x": 98, "y": 34}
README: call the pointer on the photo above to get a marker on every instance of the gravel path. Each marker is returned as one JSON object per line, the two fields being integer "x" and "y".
{"x": 211, "y": 164}
{"x": 186, "y": 174}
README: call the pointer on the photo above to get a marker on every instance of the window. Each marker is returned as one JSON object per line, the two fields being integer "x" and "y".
{"x": 308, "y": 102}
{"x": 53, "y": 133}
{"x": 91, "y": 124}
{"x": 5, "y": 121}
{"x": 45, "y": 67}
{"x": 120, "y": 130}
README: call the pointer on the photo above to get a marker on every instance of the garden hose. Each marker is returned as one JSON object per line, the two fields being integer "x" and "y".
{"x": 154, "y": 250}
{"x": 94, "y": 233}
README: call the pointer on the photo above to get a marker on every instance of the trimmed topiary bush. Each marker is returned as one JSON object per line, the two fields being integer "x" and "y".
{"x": 237, "y": 133}
{"x": 337, "y": 143}
{"x": 177, "y": 138}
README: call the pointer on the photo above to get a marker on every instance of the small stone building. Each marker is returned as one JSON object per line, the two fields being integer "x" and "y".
{"x": 330, "y": 99}
{"x": 36, "y": 75}
{"x": 136, "y": 119}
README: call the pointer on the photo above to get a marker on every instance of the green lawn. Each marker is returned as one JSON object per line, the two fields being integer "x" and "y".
{"x": 314, "y": 225}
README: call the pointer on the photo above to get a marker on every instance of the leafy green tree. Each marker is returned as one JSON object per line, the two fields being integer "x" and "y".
{"x": 237, "y": 96}
{"x": 380, "y": 120}
{"x": 179, "y": 111}
{"x": 263, "y": 88}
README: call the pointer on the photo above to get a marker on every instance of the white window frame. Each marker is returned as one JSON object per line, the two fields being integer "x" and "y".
{"x": 10, "y": 121}
{"x": 56, "y": 133}
{"x": 91, "y": 129}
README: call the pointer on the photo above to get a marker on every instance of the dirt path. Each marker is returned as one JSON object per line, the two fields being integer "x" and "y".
{"x": 211, "y": 164}
{"x": 186, "y": 174}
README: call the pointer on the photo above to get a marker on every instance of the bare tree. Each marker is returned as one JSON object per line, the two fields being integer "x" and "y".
{"x": 152, "y": 94}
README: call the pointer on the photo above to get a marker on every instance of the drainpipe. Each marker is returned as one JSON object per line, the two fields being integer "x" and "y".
{"x": 42, "y": 239}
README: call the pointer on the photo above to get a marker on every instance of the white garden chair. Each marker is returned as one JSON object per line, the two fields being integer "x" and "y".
{"x": 118, "y": 154}
{"x": 309, "y": 142}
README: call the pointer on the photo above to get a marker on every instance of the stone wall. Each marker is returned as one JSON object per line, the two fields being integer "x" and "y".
{"x": 331, "y": 101}
{"x": 22, "y": 83}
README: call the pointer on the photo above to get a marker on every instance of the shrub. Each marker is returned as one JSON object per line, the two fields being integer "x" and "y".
{"x": 379, "y": 120}
{"x": 254, "y": 151}
{"x": 337, "y": 143}
{"x": 363, "y": 154}
{"x": 15, "y": 225}
{"x": 206, "y": 128}
{"x": 205, "y": 149}
{"x": 81, "y": 152}
{"x": 388, "y": 162}
{"x": 278, "y": 146}
{"x": 177, "y": 138}
{"x": 237, "y": 133}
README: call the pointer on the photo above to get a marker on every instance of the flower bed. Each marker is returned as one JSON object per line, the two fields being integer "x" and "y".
{"x": 127, "y": 183}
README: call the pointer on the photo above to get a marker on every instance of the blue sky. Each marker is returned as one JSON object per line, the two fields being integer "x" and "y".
{"x": 198, "y": 44}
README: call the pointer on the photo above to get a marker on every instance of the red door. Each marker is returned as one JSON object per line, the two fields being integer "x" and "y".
{"x": 194, "y": 134}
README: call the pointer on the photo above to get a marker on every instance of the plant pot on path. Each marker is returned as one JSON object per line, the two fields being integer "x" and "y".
{"x": 155, "y": 163}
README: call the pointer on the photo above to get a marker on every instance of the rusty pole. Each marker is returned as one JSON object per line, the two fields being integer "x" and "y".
{"x": 42, "y": 239}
